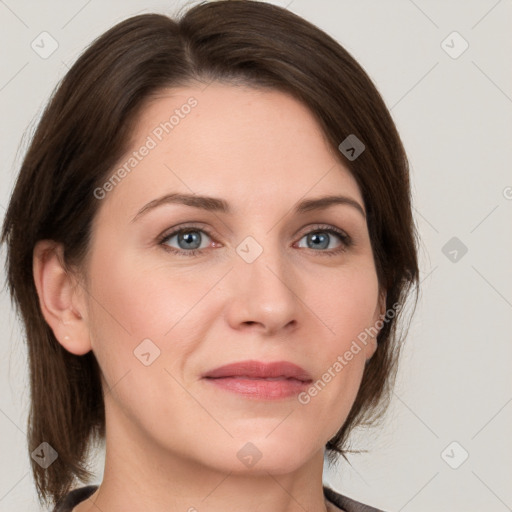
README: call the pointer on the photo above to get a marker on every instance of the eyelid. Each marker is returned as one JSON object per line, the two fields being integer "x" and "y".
{"x": 326, "y": 227}
{"x": 176, "y": 230}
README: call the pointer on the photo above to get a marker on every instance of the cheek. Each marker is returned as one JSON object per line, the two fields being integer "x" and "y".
{"x": 347, "y": 304}
{"x": 132, "y": 302}
{"x": 142, "y": 300}
{"x": 135, "y": 310}
{"x": 347, "y": 310}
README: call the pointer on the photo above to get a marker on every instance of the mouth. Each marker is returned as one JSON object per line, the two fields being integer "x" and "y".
{"x": 260, "y": 380}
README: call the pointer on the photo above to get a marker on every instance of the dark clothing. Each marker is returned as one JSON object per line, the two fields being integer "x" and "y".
{"x": 73, "y": 498}
{"x": 347, "y": 504}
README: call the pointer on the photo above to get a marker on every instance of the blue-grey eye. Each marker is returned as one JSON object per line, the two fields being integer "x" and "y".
{"x": 187, "y": 239}
{"x": 320, "y": 239}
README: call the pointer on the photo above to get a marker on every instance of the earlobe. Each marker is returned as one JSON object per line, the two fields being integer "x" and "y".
{"x": 60, "y": 299}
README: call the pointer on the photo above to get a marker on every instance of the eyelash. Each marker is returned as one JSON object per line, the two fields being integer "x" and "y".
{"x": 346, "y": 241}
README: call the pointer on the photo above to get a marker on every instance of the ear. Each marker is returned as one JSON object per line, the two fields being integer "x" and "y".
{"x": 61, "y": 297}
{"x": 378, "y": 323}
{"x": 383, "y": 295}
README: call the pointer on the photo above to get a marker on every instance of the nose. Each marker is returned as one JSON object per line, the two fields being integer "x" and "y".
{"x": 264, "y": 293}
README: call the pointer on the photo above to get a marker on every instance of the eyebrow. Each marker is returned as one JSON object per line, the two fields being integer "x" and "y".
{"x": 214, "y": 204}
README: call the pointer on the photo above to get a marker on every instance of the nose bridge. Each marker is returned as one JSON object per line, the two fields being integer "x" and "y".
{"x": 264, "y": 282}
{"x": 262, "y": 258}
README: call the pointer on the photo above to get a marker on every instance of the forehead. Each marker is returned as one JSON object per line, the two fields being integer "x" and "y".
{"x": 252, "y": 146}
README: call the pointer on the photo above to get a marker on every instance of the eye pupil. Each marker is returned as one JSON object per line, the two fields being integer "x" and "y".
{"x": 190, "y": 237}
{"x": 322, "y": 239}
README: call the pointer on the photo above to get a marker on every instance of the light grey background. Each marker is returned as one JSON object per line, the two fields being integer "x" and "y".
{"x": 454, "y": 116}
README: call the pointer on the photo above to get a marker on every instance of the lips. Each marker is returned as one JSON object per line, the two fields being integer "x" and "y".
{"x": 278, "y": 370}
{"x": 258, "y": 380}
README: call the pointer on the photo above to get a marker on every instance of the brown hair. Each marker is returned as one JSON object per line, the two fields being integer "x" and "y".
{"x": 86, "y": 128}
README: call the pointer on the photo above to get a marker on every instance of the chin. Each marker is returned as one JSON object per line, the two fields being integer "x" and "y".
{"x": 261, "y": 455}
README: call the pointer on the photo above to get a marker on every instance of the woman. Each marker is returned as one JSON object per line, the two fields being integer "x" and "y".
{"x": 210, "y": 241}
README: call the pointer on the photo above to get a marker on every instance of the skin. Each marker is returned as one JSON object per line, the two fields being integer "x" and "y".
{"x": 172, "y": 437}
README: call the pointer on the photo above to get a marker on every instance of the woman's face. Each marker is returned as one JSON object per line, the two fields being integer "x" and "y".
{"x": 257, "y": 280}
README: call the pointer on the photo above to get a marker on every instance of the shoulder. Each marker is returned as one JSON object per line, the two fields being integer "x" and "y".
{"x": 347, "y": 504}
{"x": 73, "y": 498}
